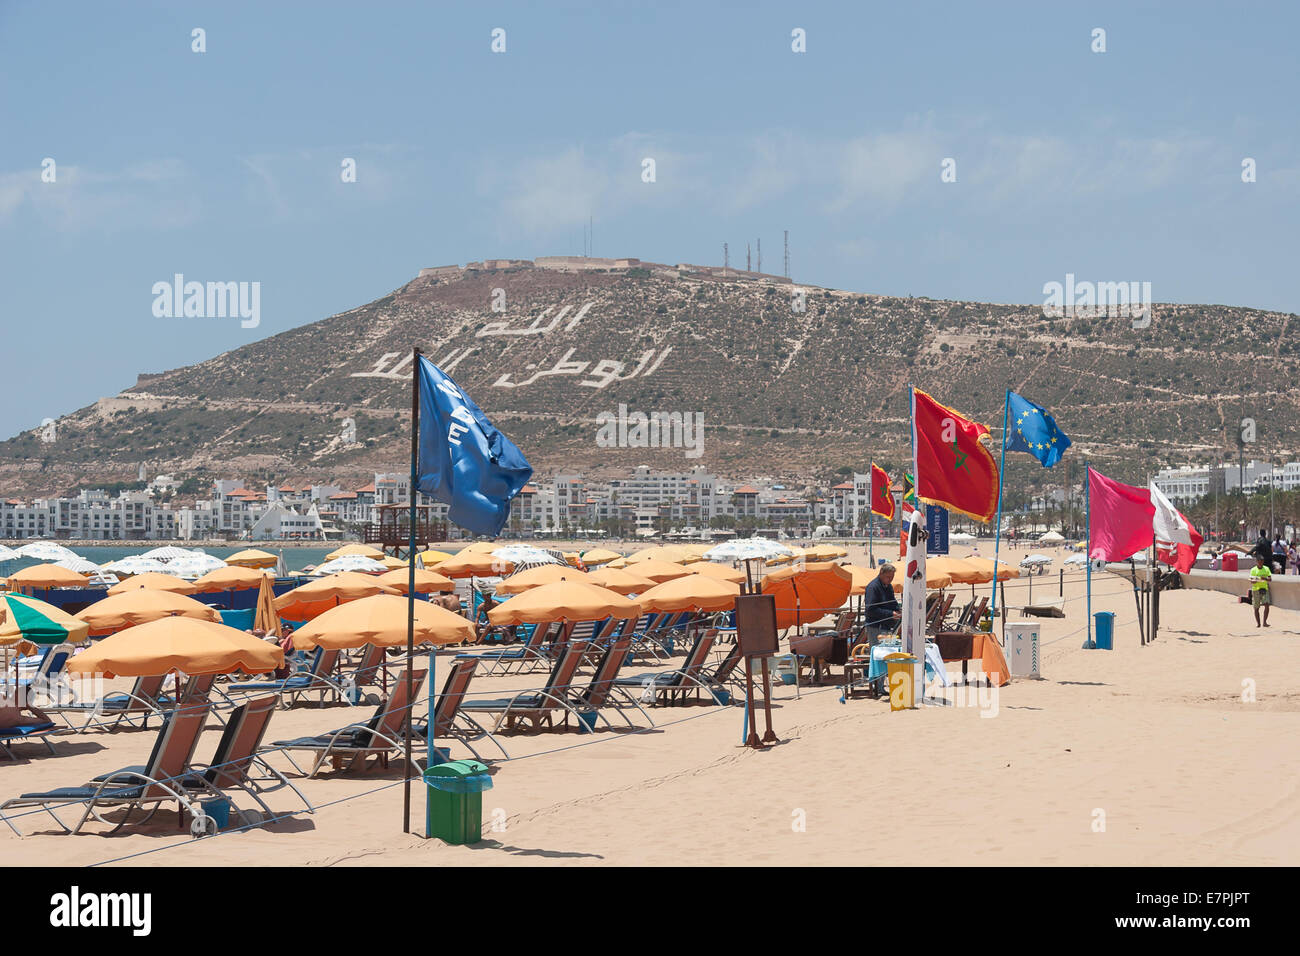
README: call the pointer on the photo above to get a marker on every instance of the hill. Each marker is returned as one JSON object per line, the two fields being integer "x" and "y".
{"x": 782, "y": 392}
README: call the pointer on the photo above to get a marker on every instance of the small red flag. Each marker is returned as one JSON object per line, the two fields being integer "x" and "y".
{"x": 955, "y": 466}
{"x": 882, "y": 493}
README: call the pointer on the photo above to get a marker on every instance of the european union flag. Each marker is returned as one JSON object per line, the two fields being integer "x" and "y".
{"x": 1033, "y": 430}
{"x": 463, "y": 459}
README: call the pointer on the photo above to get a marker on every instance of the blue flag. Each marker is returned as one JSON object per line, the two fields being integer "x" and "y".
{"x": 1033, "y": 430}
{"x": 463, "y": 459}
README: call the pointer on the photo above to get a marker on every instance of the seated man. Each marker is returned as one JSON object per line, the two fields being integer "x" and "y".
{"x": 883, "y": 610}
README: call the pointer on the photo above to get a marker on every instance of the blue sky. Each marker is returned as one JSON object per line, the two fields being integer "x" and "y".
{"x": 225, "y": 165}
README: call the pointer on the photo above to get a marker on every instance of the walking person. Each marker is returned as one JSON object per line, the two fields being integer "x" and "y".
{"x": 1260, "y": 576}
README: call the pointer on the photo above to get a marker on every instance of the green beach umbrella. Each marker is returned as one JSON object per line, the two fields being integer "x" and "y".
{"x": 27, "y": 619}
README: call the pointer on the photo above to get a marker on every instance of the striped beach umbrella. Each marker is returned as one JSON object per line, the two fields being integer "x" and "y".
{"x": 36, "y": 622}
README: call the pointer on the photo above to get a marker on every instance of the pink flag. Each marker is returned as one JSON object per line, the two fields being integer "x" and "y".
{"x": 1121, "y": 518}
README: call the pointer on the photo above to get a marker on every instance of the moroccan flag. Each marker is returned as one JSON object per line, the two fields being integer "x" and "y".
{"x": 882, "y": 494}
{"x": 954, "y": 460}
{"x": 1120, "y": 518}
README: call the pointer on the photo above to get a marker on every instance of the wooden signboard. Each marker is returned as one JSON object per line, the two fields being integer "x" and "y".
{"x": 756, "y": 633}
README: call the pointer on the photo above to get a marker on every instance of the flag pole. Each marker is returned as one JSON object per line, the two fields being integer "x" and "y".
{"x": 997, "y": 532}
{"x": 1087, "y": 507}
{"x": 410, "y": 590}
{"x": 919, "y": 677}
{"x": 871, "y": 514}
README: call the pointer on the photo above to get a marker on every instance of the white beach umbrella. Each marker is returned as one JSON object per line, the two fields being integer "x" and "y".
{"x": 8, "y": 554}
{"x": 1076, "y": 559}
{"x": 518, "y": 554}
{"x": 194, "y": 564}
{"x": 78, "y": 564}
{"x": 46, "y": 551}
{"x": 961, "y": 536}
{"x": 351, "y": 562}
{"x": 169, "y": 553}
{"x": 136, "y": 564}
{"x": 1053, "y": 537}
{"x": 748, "y": 549}
{"x": 1030, "y": 559}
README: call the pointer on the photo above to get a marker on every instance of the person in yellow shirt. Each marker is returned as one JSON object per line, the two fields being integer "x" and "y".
{"x": 1260, "y": 576}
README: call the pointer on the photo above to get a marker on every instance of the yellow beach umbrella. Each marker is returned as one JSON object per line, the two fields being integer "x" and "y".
{"x": 824, "y": 552}
{"x": 674, "y": 553}
{"x": 264, "y": 617}
{"x": 153, "y": 581}
{"x": 46, "y": 576}
{"x": 230, "y": 579}
{"x": 392, "y": 563}
{"x": 694, "y": 592}
{"x": 381, "y": 620}
{"x": 719, "y": 572}
{"x": 474, "y": 564}
{"x": 134, "y": 608}
{"x": 316, "y": 597}
{"x": 364, "y": 550}
{"x": 961, "y": 570}
{"x": 431, "y": 558}
{"x": 482, "y": 547}
{"x": 622, "y": 580}
{"x": 617, "y": 563}
{"x": 537, "y": 576}
{"x": 426, "y": 581}
{"x": 181, "y": 644}
{"x": 658, "y": 571}
{"x": 795, "y": 554}
{"x": 252, "y": 558}
{"x": 934, "y": 578}
{"x": 1005, "y": 570}
{"x": 564, "y": 601}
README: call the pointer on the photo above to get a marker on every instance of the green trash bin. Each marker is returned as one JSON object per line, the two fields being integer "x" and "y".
{"x": 456, "y": 800}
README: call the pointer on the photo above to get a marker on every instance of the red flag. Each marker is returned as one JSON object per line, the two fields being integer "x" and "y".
{"x": 1120, "y": 518}
{"x": 955, "y": 466}
{"x": 882, "y": 493}
{"x": 1181, "y": 556}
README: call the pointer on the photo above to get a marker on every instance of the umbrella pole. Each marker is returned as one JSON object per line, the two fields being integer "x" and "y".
{"x": 410, "y": 592}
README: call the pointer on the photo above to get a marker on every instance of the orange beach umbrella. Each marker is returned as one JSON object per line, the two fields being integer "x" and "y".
{"x": 564, "y": 601}
{"x": 153, "y": 581}
{"x": 381, "y": 619}
{"x": 316, "y": 597}
{"x": 133, "y": 608}
{"x": 178, "y": 643}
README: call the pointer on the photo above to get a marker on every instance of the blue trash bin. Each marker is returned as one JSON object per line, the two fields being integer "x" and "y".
{"x": 1105, "y": 630}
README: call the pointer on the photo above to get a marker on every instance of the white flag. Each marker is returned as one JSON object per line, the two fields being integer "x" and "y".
{"x": 1168, "y": 524}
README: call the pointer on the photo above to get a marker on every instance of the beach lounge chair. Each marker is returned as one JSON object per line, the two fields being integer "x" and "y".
{"x": 354, "y": 745}
{"x": 448, "y": 719}
{"x": 236, "y": 763}
{"x": 646, "y": 637}
{"x": 603, "y": 691}
{"x": 44, "y": 679}
{"x": 536, "y": 706}
{"x": 675, "y": 685}
{"x": 110, "y": 711}
{"x": 318, "y": 679}
{"x": 533, "y": 651}
{"x": 24, "y": 723}
{"x": 158, "y": 781}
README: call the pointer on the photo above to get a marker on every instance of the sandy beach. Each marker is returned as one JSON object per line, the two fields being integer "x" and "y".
{"x": 1140, "y": 755}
